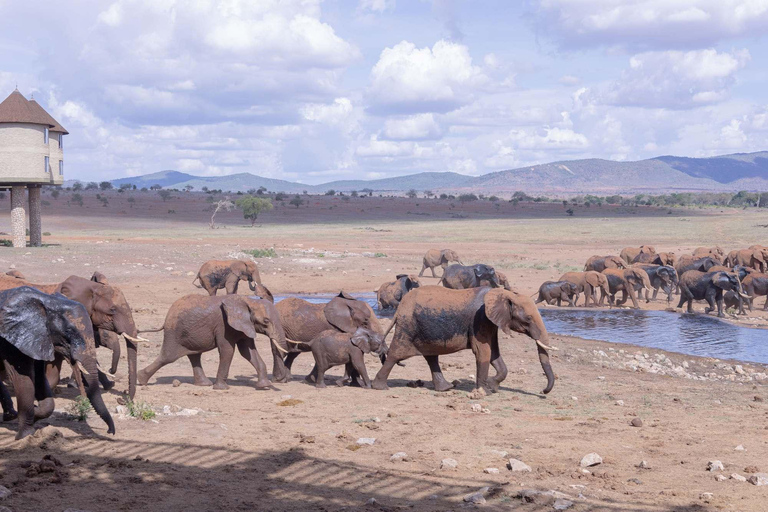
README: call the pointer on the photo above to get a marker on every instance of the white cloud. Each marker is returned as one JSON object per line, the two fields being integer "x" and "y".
{"x": 408, "y": 79}
{"x": 377, "y": 5}
{"x": 649, "y": 23}
{"x": 416, "y": 127}
{"x": 548, "y": 138}
{"x": 341, "y": 114}
{"x": 385, "y": 148}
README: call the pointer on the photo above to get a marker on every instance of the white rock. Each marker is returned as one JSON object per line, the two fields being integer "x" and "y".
{"x": 706, "y": 496}
{"x": 620, "y": 403}
{"x": 491, "y": 471}
{"x": 477, "y": 497}
{"x": 121, "y": 409}
{"x": 738, "y": 477}
{"x": 518, "y": 465}
{"x": 371, "y": 501}
{"x": 366, "y": 441}
{"x": 720, "y": 478}
{"x": 740, "y": 448}
{"x": 477, "y": 407}
{"x": 188, "y": 412}
{"x": 585, "y": 471}
{"x": 739, "y": 369}
{"x": 561, "y": 504}
{"x": 644, "y": 465}
{"x": 399, "y": 457}
{"x": 575, "y": 399}
{"x": 715, "y": 465}
{"x": 759, "y": 479}
{"x": 448, "y": 464}
{"x": 502, "y": 454}
{"x": 591, "y": 459}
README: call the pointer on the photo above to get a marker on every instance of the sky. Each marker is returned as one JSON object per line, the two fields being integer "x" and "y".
{"x": 313, "y": 91}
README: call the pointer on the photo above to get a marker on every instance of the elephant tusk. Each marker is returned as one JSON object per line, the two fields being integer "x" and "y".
{"x": 277, "y": 346}
{"x": 545, "y": 347}
{"x": 82, "y": 368}
{"x": 743, "y": 296}
{"x": 137, "y": 339}
{"x": 294, "y": 341}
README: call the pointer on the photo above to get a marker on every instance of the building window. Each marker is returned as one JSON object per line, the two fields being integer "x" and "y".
{"x": 61, "y": 141}
{"x": 46, "y": 136}
{"x": 61, "y": 167}
{"x": 47, "y": 163}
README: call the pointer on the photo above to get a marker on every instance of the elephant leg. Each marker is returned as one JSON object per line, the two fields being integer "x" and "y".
{"x": 248, "y": 351}
{"x": 20, "y": 374}
{"x": 105, "y": 382}
{"x": 400, "y": 349}
{"x": 358, "y": 363}
{"x": 320, "y": 382}
{"x": 200, "y": 379}
{"x": 437, "y": 374}
{"x": 765, "y": 306}
{"x": 163, "y": 359}
{"x": 311, "y": 378}
{"x": 290, "y": 358}
{"x": 43, "y": 393}
{"x": 433, "y": 271}
{"x": 53, "y": 371}
{"x": 423, "y": 268}
{"x": 482, "y": 353}
{"x": 226, "y": 352}
{"x": 498, "y": 364}
{"x": 9, "y": 412}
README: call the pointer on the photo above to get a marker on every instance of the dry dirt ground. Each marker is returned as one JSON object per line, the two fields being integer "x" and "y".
{"x": 295, "y": 447}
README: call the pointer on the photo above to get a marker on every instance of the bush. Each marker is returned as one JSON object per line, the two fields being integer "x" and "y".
{"x": 569, "y": 211}
{"x": 127, "y": 186}
{"x": 297, "y": 201}
{"x": 105, "y": 185}
{"x": 131, "y": 200}
{"x": 4, "y": 242}
{"x": 77, "y": 186}
{"x": 465, "y": 198}
{"x": 80, "y": 408}
{"x": 92, "y": 185}
{"x": 411, "y": 193}
{"x": 262, "y": 253}
{"x": 380, "y": 255}
{"x": 164, "y": 194}
{"x": 443, "y": 196}
{"x": 330, "y": 192}
{"x": 279, "y": 196}
{"x": 55, "y": 193}
{"x": 77, "y": 199}
{"x": 46, "y": 233}
{"x": 253, "y": 206}
{"x": 155, "y": 187}
{"x": 140, "y": 410}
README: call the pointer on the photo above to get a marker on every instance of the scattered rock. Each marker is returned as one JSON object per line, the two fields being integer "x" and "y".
{"x": 518, "y": 465}
{"x": 644, "y": 465}
{"x": 591, "y": 459}
{"x": 477, "y": 394}
{"x": 448, "y": 464}
{"x": 399, "y": 457}
{"x": 371, "y": 501}
{"x": 720, "y": 478}
{"x": 561, "y": 504}
{"x": 478, "y": 497}
{"x": 4, "y": 492}
{"x": 715, "y": 465}
{"x": 491, "y": 471}
{"x": 635, "y": 481}
{"x": 751, "y": 469}
{"x": 706, "y": 496}
{"x": 740, "y": 448}
{"x": 176, "y": 383}
{"x": 738, "y": 477}
{"x": 636, "y": 422}
{"x": 477, "y": 407}
{"x": 620, "y": 403}
{"x": 366, "y": 441}
{"x": 502, "y": 454}
{"x": 306, "y": 439}
{"x": 416, "y": 384}
{"x": 759, "y": 479}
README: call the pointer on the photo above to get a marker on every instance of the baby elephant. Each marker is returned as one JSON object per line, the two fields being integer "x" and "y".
{"x": 551, "y": 291}
{"x": 389, "y": 295}
{"x": 333, "y": 348}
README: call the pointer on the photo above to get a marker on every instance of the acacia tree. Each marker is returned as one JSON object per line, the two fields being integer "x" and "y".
{"x": 253, "y": 206}
{"x": 222, "y": 204}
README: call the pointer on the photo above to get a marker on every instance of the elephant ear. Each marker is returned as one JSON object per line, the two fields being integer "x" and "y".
{"x": 499, "y": 304}
{"x": 238, "y": 315}
{"x": 339, "y": 315}
{"x": 720, "y": 279}
{"x": 73, "y": 290}
{"x": 263, "y": 292}
{"x": 98, "y": 277}
{"x": 344, "y": 295}
{"x": 400, "y": 276}
{"x": 360, "y": 340}
{"x": 24, "y": 322}
{"x": 592, "y": 279}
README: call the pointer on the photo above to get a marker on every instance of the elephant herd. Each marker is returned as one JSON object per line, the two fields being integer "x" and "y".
{"x": 71, "y": 319}
{"x": 708, "y": 274}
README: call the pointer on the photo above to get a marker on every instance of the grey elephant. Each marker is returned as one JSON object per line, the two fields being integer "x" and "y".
{"x": 709, "y": 286}
{"x": 196, "y": 324}
{"x": 438, "y": 258}
{"x": 588, "y": 283}
{"x": 227, "y": 274}
{"x": 552, "y": 292}
{"x": 661, "y": 277}
{"x": 35, "y": 327}
{"x": 461, "y": 277}
{"x": 390, "y": 294}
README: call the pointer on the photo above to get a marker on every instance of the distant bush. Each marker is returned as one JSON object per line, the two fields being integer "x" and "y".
{"x": 330, "y": 192}
{"x": 164, "y": 194}
{"x": 380, "y": 255}
{"x": 465, "y": 198}
{"x": 297, "y": 201}
{"x": 4, "y": 242}
{"x": 155, "y": 187}
{"x": 411, "y": 193}
{"x": 77, "y": 199}
{"x": 280, "y": 196}
{"x": 92, "y": 185}
{"x": 55, "y": 193}
{"x": 127, "y": 186}
{"x": 443, "y": 196}
{"x": 77, "y": 186}
{"x": 105, "y": 185}
{"x": 253, "y": 206}
{"x": 131, "y": 201}
{"x": 262, "y": 253}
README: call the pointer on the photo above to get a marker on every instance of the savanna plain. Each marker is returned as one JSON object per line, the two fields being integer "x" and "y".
{"x": 295, "y": 447}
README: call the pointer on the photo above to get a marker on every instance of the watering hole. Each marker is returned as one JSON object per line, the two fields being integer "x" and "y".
{"x": 697, "y": 335}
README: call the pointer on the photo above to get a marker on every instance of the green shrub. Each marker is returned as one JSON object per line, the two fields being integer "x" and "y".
{"x": 262, "y": 253}
{"x": 80, "y": 408}
{"x": 4, "y": 242}
{"x": 380, "y": 255}
{"x": 140, "y": 410}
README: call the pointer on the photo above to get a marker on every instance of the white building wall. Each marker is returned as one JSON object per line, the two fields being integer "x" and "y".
{"x": 22, "y": 154}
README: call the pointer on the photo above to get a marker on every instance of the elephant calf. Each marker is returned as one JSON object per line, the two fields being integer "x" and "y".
{"x": 756, "y": 284}
{"x": 333, "y": 348}
{"x": 551, "y": 291}
{"x": 587, "y": 282}
{"x": 661, "y": 277}
{"x": 438, "y": 258}
{"x": 626, "y": 281}
{"x": 461, "y": 277}
{"x": 600, "y": 263}
{"x": 389, "y": 295}
{"x": 217, "y": 274}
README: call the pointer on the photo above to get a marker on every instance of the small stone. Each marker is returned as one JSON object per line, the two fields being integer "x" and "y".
{"x": 502, "y": 454}
{"x": 477, "y": 394}
{"x": 399, "y": 457}
{"x": 366, "y": 441}
{"x": 635, "y": 481}
{"x": 4, "y": 492}
{"x": 591, "y": 459}
{"x": 738, "y": 477}
{"x": 720, "y": 478}
{"x": 561, "y": 504}
{"x": 575, "y": 398}
{"x": 477, "y": 407}
{"x": 636, "y": 422}
{"x": 518, "y": 465}
{"x": 122, "y": 410}
{"x": 644, "y": 465}
{"x": 715, "y": 465}
{"x": 491, "y": 471}
{"x": 600, "y": 377}
{"x": 620, "y": 403}
{"x": 166, "y": 409}
{"x": 176, "y": 383}
{"x": 759, "y": 479}
{"x": 739, "y": 369}
{"x": 706, "y": 496}
{"x": 448, "y": 464}
{"x": 371, "y": 501}
{"x": 740, "y": 448}
{"x": 751, "y": 469}
{"x": 585, "y": 471}
{"x": 478, "y": 497}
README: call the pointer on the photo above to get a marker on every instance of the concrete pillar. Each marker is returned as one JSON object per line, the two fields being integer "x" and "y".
{"x": 35, "y": 222}
{"x": 18, "y": 216}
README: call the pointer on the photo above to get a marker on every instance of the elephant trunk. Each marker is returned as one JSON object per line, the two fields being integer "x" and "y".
{"x": 547, "y": 367}
{"x": 93, "y": 391}
{"x": 251, "y": 285}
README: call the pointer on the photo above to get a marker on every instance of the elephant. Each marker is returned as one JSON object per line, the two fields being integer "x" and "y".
{"x": 755, "y": 284}
{"x": 333, "y": 348}
{"x": 626, "y": 281}
{"x": 686, "y": 263}
{"x": 217, "y": 274}
{"x": 196, "y": 324}
{"x": 438, "y": 258}
{"x": 630, "y": 254}
{"x": 551, "y": 291}
{"x": 732, "y": 299}
{"x": 34, "y": 328}
{"x": 716, "y": 253}
{"x": 667, "y": 259}
{"x": 661, "y": 277}
{"x": 729, "y": 297}
{"x": 389, "y": 295}
{"x": 503, "y": 281}
{"x": 709, "y": 286}
{"x": 432, "y": 321}
{"x": 600, "y": 263}
{"x": 460, "y": 277}
{"x": 303, "y": 321}
{"x": 753, "y": 258}
{"x": 587, "y": 282}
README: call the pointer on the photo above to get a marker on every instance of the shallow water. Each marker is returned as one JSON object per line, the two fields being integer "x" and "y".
{"x": 698, "y": 334}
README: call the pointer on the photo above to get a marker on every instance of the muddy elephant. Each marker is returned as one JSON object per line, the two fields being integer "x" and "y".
{"x": 600, "y": 263}
{"x": 625, "y": 281}
{"x": 667, "y": 259}
{"x": 661, "y": 277}
{"x": 552, "y": 292}
{"x": 709, "y": 286}
{"x": 686, "y": 263}
{"x": 433, "y": 321}
{"x": 503, "y": 281}
{"x": 461, "y": 277}
{"x": 588, "y": 283}
{"x": 227, "y": 274}
{"x": 34, "y": 328}
{"x": 716, "y": 253}
{"x": 389, "y": 295}
{"x": 629, "y": 254}
{"x": 196, "y": 324}
{"x": 333, "y": 348}
{"x": 753, "y": 258}
{"x": 438, "y": 258}
{"x": 755, "y": 285}
{"x": 303, "y": 321}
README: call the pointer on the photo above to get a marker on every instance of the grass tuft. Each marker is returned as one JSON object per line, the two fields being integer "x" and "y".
{"x": 80, "y": 408}
{"x": 262, "y": 253}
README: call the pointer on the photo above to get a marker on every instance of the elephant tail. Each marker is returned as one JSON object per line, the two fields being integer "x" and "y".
{"x": 197, "y": 278}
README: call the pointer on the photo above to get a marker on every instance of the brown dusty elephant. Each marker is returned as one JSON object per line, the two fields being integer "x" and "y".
{"x": 755, "y": 285}
{"x": 752, "y": 258}
{"x": 438, "y": 258}
{"x": 433, "y": 321}
{"x": 667, "y": 259}
{"x": 626, "y": 281}
{"x": 600, "y": 263}
{"x": 503, "y": 281}
{"x": 588, "y": 283}
{"x": 34, "y": 328}
{"x": 196, "y": 324}
{"x": 709, "y": 286}
{"x": 227, "y": 274}
{"x": 303, "y": 321}
{"x": 460, "y": 277}
{"x": 390, "y": 294}
{"x": 716, "y": 253}
{"x": 629, "y": 254}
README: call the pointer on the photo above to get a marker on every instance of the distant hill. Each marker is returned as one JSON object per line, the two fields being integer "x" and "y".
{"x": 748, "y": 171}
